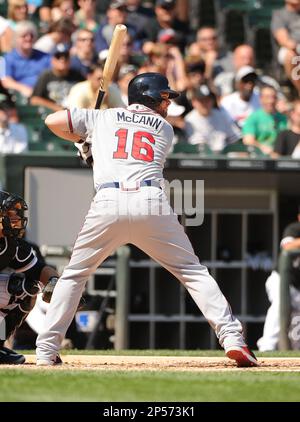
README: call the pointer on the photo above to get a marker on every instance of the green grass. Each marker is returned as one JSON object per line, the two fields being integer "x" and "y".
{"x": 55, "y": 386}
{"x": 23, "y": 384}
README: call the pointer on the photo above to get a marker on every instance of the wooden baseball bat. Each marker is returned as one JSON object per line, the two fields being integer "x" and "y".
{"x": 111, "y": 61}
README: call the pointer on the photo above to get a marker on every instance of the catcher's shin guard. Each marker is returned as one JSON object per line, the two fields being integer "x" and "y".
{"x": 13, "y": 320}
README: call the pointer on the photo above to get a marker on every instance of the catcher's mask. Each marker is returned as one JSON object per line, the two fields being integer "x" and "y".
{"x": 149, "y": 89}
{"x": 12, "y": 209}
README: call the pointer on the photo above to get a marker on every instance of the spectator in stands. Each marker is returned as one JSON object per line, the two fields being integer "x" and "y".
{"x": 176, "y": 69}
{"x": 59, "y": 32}
{"x": 24, "y": 64}
{"x": 139, "y": 16}
{"x": 6, "y": 36}
{"x": 176, "y": 119}
{"x": 286, "y": 31}
{"x": 207, "y": 124}
{"x": 45, "y": 14}
{"x": 135, "y": 8}
{"x": 62, "y": 9}
{"x": 84, "y": 94}
{"x": 157, "y": 57}
{"x": 116, "y": 14}
{"x": 288, "y": 141}
{"x": 33, "y": 6}
{"x": 87, "y": 17}
{"x": 244, "y": 101}
{"x": 262, "y": 126}
{"x": 17, "y": 12}
{"x": 126, "y": 73}
{"x": 13, "y": 136}
{"x": 84, "y": 51}
{"x": 243, "y": 55}
{"x": 53, "y": 86}
{"x": 290, "y": 240}
{"x": 165, "y": 18}
{"x": 168, "y": 60}
{"x": 195, "y": 70}
{"x": 7, "y": 101}
{"x": 207, "y": 48}
{"x": 128, "y": 55}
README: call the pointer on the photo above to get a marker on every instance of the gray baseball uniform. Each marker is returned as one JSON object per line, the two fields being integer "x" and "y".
{"x": 129, "y": 147}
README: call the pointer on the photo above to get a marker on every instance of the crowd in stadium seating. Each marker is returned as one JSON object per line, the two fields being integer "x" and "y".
{"x": 54, "y": 52}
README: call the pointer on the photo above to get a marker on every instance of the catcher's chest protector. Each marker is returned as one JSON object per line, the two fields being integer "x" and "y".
{"x": 8, "y": 249}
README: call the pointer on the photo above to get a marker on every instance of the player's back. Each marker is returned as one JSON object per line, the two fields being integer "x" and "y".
{"x": 130, "y": 144}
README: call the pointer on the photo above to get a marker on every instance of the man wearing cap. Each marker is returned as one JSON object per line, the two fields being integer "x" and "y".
{"x": 53, "y": 86}
{"x": 243, "y": 55}
{"x": 206, "y": 124}
{"x": 165, "y": 19}
{"x": 126, "y": 73}
{"x": 241, "y": 103}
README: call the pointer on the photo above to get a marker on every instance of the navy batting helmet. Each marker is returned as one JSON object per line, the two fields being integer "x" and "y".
{"x": 148, "y": 89}
{"x": 13, "y": 223}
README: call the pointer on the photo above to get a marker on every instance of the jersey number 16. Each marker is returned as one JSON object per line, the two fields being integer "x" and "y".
{"x": 141, "y": 150}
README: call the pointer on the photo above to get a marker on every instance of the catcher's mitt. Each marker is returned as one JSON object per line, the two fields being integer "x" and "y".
{"x": 48, "y": 291}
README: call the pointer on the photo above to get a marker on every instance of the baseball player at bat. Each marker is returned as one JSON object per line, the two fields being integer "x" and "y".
{"x": 129, "y": 148}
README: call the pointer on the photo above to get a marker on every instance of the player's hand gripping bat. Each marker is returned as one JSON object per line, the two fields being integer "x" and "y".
{"x": 84, "y": 146}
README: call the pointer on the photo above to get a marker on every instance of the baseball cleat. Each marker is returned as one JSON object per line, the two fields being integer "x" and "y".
{"x": 52, "y": 361}
{"x": 242, "y": 355}
{"x": 9, "y": 357}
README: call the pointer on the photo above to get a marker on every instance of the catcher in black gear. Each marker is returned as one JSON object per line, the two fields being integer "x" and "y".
{"x": 23, "y": 274}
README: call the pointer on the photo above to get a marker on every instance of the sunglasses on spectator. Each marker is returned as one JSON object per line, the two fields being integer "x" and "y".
{"x": 59, "y": 56}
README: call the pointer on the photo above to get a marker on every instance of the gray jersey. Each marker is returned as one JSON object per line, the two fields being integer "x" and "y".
{"x": 127, "y": 144}
{"x": 130, "y": 145}
{"x": 290, "y": 21}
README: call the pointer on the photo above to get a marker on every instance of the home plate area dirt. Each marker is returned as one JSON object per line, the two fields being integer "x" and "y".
{"x": 162, "y": 363}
